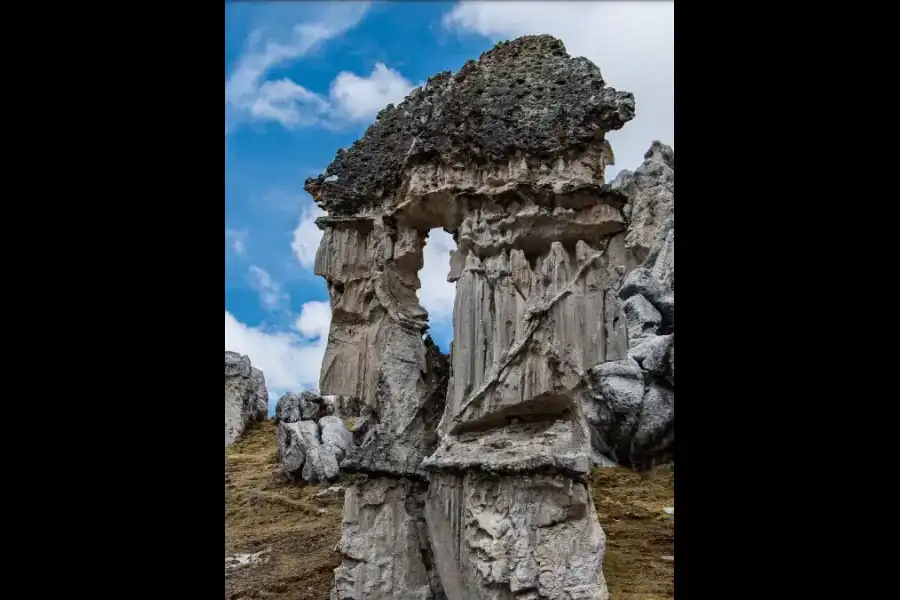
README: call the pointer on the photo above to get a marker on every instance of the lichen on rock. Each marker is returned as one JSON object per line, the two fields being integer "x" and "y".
{"x": 524, "y": 101}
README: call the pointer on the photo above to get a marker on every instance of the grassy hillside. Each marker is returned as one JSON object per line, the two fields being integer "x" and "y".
{"x": 262, "y": 511}
{"x": 296, "y": 530}
{"x": 638, "y": 532}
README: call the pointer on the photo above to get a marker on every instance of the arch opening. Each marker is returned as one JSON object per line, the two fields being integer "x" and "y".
{"x": 436, "y": 294}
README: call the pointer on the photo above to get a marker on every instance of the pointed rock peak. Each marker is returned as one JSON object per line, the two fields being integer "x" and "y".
{"x": 661, "y": 152}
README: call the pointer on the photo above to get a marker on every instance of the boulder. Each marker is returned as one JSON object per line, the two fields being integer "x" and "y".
{"x": 246, "y": 397}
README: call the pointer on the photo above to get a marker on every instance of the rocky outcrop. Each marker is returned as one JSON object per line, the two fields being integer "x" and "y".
{"x": 515, "y": 537}
{"x": 384, "y": 543}
{"x": 312, "y": 436}
{"x": 477, "y": 461}
{"x": 246, "y": 397}
{"x": 630, "y": 402}
{"x": 651, "y": 198}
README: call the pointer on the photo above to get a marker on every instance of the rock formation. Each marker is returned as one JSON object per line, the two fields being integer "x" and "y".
{"x": 631, "y": 401}
{"x": 246, "y": 398}
{"x": 476, "y": 463}
{"x": 311, "y": 434}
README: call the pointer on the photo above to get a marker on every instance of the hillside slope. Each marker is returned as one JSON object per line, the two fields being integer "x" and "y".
{"x": 295, "y": 528}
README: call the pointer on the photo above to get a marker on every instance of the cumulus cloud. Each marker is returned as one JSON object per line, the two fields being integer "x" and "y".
{"x": 352, "y": 98}
{"x": 360, "y": 98}
{"x": 287, "y": 103}
{"x": 633, "y": 44}
{"x": 290, "y": 360}
{"x": 250, "y": 96}
{"x": 315, "y": 320}
{"x": 237, "y": 240}
{"x": 271, "y": 294}
{"x": 307, "y": 236}
{"x": 436, "y": 293}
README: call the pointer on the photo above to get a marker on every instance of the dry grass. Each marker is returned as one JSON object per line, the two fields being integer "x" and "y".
{"x": 262, "y": 511}
{"x": 638, "y": 532}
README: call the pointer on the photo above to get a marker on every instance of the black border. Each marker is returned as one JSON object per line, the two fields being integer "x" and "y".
{"x": 140, "y": 475}
{"x": 747, "y": 289}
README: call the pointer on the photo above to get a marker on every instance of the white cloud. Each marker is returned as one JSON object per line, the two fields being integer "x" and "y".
{"x": 315, "y": 320}
{"x": 284, "y": 101}
{"x": 633, "y": 43}
{"x": 271, "y": 294}
{"x": 307, "y": 236}
{"x": 352, "y": 98}
{"x": 237, "y": 238}
{"x": 290, "y": 360}
{"x": 288, "y": 103}
{"x": 360, "y": 98}
{"x": 436, "y": 294}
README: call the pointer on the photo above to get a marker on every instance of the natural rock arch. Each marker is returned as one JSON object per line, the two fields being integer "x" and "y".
{"x": 477, "y": 462}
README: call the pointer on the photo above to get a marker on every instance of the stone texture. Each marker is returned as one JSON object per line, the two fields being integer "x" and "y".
{"x": 651, "y": 189}
{"x": 287, "y": 410}
{"x": 653, "y": 354}
{"x": 308, "y": 405}
{"x": 526, "y": 96}
{"x": 311, "y": 451}
{"x": 509, "y": 156}
{"x": 563, "y": 444}
{"x": 344, "y": 407}
{"x": 312, "y": 439}
{"x": 400, "y": 429}
{"x": 384, "y": 544}
{"x": 642, "y": 318}
{"x": 335, "y": 436}
{"x": 262, "y": 393}
{"x": 246, "y": 398}
{"x": 632, "y": 401}
{"x": 523, "y": 335}
{"x": 514, "y": 537}
{"x": 236, "y": 365}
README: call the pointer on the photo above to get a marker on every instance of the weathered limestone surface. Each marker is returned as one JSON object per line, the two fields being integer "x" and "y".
{"x": 651, "y": 191}
{"x": 385, "y": 543}
{"x": 246, "y": 398}
{"x": 631, "y": 401}
{"x": 515, "y": 537}
{"x": 492, "y": 444}
{"x": 311, "y": 435}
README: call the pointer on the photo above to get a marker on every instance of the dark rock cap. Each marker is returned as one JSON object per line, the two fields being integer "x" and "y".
{"x": 527, "y": 95}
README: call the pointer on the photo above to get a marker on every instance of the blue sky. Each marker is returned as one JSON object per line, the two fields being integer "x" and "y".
{"x": 303, "y": 79}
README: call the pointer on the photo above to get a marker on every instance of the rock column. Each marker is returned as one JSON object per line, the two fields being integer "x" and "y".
{"x": 376, "y": 354}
